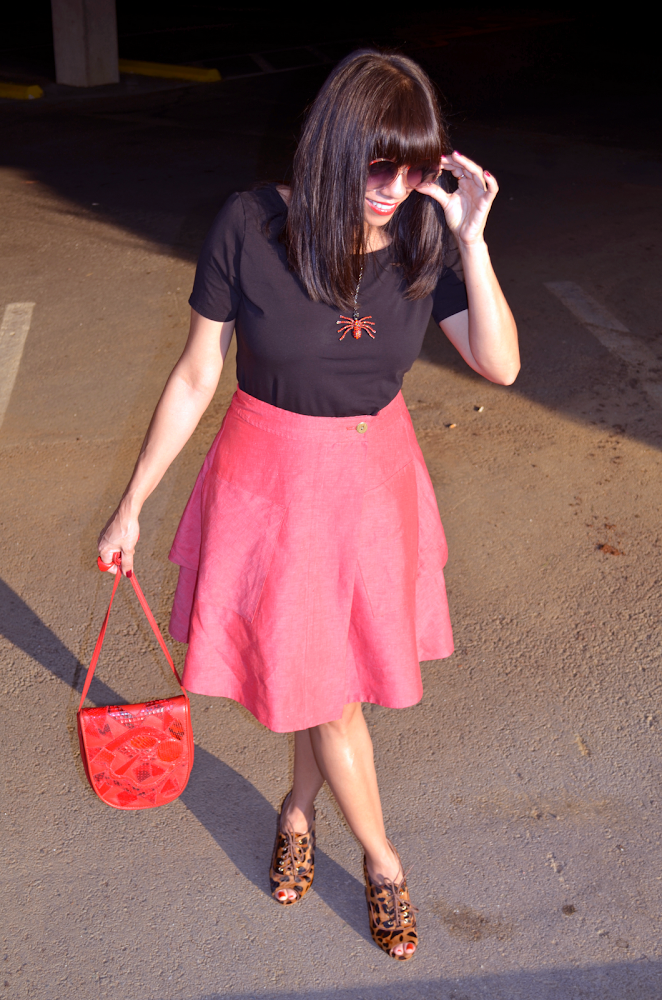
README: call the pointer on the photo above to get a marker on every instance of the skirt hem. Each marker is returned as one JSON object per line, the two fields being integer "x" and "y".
{"x": 263, "y": 719}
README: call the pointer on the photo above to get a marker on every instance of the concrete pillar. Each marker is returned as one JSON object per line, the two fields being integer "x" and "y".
{"x": 85, "y": 40}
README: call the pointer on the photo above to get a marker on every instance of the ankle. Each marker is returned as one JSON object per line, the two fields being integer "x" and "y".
{"x": 296, "y": 817}
{"x": 383, "y": 862}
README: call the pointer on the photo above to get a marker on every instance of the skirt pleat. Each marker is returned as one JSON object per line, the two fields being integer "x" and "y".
{"x": 311, "y": 558}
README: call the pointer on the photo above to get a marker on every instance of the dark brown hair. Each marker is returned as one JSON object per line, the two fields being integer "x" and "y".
{"x": 372, "y": 105}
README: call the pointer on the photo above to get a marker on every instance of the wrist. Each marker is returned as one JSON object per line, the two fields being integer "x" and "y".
{"x": 475, "y": 248}
{"x": 131, "y": 505}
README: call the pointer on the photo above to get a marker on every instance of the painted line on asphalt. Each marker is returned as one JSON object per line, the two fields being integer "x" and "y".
{"x": 198, "y": 74}
{"x": 13, "y": 334}
{"x": 20, "y": 91}
{"x": 612, "y": 334}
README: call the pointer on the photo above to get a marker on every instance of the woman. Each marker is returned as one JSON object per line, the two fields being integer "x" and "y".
{"x": 311, "y": 550}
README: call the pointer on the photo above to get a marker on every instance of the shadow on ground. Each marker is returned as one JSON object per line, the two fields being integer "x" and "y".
{"x": 243, "y": 824}
{"x": 618, "y": 981}
{"x": 24, "y": 629}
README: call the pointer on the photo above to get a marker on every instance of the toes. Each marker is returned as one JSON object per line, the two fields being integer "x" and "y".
{"x": 285, "y": 896}
{"x": 403, "y": 950}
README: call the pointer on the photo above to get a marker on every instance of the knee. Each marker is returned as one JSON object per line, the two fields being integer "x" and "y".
{"x": 341, "y": 728}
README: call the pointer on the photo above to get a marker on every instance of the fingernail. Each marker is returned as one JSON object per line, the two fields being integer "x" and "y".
{"x": 487, "y": 173}
{"x": 456, "y": 152}
{"x": 129, "y": 574}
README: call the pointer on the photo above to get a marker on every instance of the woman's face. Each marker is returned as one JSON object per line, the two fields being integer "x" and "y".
{"x": 382, "y": 201}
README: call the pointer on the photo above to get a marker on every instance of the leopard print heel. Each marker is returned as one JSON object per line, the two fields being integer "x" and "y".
{"x": 392, "y": 916}
{"x": 292, "y": 861}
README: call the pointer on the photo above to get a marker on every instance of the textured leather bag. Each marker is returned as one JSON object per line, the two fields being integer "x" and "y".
{"x": 136, "y": 756}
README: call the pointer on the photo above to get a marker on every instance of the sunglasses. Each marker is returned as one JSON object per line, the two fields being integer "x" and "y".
{"x": 381, "y": 173}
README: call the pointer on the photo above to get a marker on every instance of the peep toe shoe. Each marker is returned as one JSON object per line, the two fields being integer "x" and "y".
{"x": 292, "y": 862}
{"x": 391, "y": 914}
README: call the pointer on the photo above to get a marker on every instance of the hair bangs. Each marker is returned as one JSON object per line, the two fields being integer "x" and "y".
{"x": 407, "y": 130}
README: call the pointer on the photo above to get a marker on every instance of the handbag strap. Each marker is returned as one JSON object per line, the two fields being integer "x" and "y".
{"x": 117, "y": 559}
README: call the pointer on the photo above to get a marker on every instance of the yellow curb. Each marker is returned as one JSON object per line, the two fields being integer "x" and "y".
{"x": 20, "y": 91}
{"x": 196, "y": 73}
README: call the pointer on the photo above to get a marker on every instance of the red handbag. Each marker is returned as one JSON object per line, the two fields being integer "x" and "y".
{"x": 136, "y": 756}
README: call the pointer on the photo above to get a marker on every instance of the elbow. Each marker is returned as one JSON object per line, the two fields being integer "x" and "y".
{"x": 509, "y": 376}
{"x": 203, "y": 387}
{"x": 503, "y": 375}
{"x": 509, "y": 368}
{"x": 198, "y": 381}
{"x": 507, "y": 363}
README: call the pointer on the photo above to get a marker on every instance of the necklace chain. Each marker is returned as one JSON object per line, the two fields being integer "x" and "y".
{"x": 356, "y": 294}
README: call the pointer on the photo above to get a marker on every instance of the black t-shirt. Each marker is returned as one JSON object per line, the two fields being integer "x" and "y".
{"x": 289, "y": 351}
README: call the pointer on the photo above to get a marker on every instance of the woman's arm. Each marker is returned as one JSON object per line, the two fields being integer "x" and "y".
{"x": 485, "y": 334}
{"x": 187, "y": 394}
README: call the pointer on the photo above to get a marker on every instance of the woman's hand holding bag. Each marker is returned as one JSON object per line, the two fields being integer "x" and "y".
{"x": 119, "y": 537}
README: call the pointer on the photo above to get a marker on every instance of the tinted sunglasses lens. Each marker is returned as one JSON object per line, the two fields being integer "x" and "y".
{"x": 381, "y": 173}
{"x": 421, "y": 175}
{"x": 414, "y": 176}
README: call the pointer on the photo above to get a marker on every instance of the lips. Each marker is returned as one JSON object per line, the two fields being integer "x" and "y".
{"x": 381, "y": 207}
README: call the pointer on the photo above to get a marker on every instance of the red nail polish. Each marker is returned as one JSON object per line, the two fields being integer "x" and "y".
{"x": 487, "y": 173}
{"x": 129, "y": 574}
{"x": 456, "y": 152}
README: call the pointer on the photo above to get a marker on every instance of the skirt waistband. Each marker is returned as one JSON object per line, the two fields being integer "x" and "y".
{"x": 285, "y": 423}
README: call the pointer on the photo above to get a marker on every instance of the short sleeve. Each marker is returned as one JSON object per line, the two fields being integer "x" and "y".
{"x": 450, "y": 295}
{"x": 216, "y": 289}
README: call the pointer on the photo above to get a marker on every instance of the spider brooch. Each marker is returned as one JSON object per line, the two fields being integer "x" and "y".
{"x": 356, "y": 326}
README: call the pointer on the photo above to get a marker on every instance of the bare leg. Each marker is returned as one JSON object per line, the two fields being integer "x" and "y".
{"x": 342, "y": 755}
{"x": 343, "y": 750}
{"x": 297, "y": 814}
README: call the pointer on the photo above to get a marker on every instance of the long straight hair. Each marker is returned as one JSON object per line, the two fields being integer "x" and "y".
{"x": 373, "y": 105}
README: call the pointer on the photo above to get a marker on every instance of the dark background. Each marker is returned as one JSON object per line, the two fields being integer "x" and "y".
{"x": 572, "y": 71}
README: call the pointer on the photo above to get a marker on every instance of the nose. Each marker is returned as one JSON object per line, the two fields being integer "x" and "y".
{"x": 397, "y": 189}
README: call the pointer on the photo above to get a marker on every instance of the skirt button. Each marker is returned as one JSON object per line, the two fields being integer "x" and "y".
{"x": 362, "y": 427}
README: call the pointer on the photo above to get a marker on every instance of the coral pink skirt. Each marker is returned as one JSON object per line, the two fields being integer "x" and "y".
{"x": 311, "y": 559}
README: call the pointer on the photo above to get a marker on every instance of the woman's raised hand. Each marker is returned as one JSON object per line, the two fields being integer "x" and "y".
{"x": 120, "y": 535}
{"x": 467, "y": 208}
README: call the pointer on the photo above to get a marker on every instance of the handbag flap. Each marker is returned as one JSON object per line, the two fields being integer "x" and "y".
{"x": 140, "y": 755}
